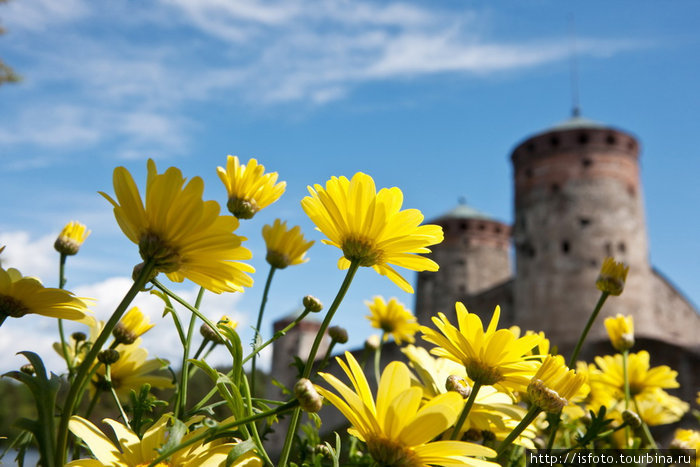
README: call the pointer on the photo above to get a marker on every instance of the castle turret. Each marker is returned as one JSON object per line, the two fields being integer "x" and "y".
{"x": 473, "y": 258}
{"x": 578, "y": 199}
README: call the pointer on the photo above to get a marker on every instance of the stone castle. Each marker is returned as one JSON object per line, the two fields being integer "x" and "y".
{"x": 578, "y": 199}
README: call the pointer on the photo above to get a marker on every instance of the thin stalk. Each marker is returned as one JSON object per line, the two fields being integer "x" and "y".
{"x": 252, "y": 426}
{"x": 294, "y": 422}
{"x": 93, "y": 403}
{"x": 645, "y": 428}
{"x": 223, "y": 427}
{"x": 84, "y": 368}
{"x": 591, "y": 319}
{"x": 108, "y": 380}
{"x": 378, "y": 358}
{"x": 185, "y": 368}
{"x": 626, "y": 379}
{"x": 276, "y": 336}
{"x": 465, "y": 411}
{"x": 200, "y": 349}
{"x": 61, "y": 333}
{"x": 529, "y": 417}
{"x": 327, "y": 356}
{"x": 263, "y": 302}
{"x": 554, "y": 425}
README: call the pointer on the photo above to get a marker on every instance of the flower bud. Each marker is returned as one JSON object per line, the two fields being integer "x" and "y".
{"x": 309, "y": 399}
{"x": 208, "y": 334}
{"x": 322, "y": 450}
{"x": 545, "y": 398}
{"x": 108, "y": 356}
{"x": 71, "y": 238}
{"x": 458, "y": 385}
{"x": 338, "y": 334}
{"x": 373, "y": 342}
{"x": 631, "y": 418}
{"x": 28, "y": 369}
{"x": 78, "y": 336}
{"x": 312, "y": 304}
{"x": 612, "y": 277}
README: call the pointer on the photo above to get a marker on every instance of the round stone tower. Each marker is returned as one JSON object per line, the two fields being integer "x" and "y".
{"x": 473, "y": 258}
{"x": 578, "y": 199}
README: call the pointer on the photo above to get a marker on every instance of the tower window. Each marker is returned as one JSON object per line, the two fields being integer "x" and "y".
{"x": 565, "y": 247}
{"x": 621, "y": 247}
{"x": 608, "y": 249}
{"x": 482, "y": 226}
{"x": 631, "y": 190}
{"x": 583, "y": 138}
{"x": 584, "y": 221}
{"x": 554, "y": 141}
{"x": 463, "y": 226}
{"x": 530, "y": 147}
{"x": 586, "y": 162}
{"x": 610, "y": 139}
{"x": 630, "y": 145}
{"x": 498, "y": 229}
{"x": 554, "y": 187}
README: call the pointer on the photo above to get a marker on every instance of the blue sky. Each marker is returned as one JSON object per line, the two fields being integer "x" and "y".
{"x": 427, "y": 96}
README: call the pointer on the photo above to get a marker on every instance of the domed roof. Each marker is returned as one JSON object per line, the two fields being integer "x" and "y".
{"x": 464, "y": 211}
{"x": 576, "y": 122}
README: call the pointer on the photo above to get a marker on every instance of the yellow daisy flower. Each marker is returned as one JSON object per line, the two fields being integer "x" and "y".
{"x": 249, "y": 188}
{"x": 131, "y": 371}
{"x": 71, "y": 238}
{"x": 370, "y": 228}
{"x": 641, "y": 377}
{"x": 657, "y": 407}
{"x": 285, "y": 247}
{"x": 491, "y": 357}
{"x": 132, "y": 325}
{"x": 554, "y": 385}
{"x": 687, "y": 439}
{"x": 493, "y": 411}
{"x": 397, "y": 429}
{"x": 393, "y": 318}
{"x": 130, "y": 451}
{"x": 621, "y": 332}
{"x": 182, "y": 234}
{"x": 612, "y": 276}
{"x": 21, "y": 295}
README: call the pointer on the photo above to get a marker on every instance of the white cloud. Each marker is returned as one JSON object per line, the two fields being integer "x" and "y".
{"x": 31, "y": 256}
{"x": 37, "y": 15}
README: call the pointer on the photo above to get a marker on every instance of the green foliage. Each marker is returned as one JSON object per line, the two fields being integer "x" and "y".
{"x": 142, "y": 406}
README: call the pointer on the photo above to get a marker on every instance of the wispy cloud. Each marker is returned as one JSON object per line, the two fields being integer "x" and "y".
{"x": 132, "y": 83}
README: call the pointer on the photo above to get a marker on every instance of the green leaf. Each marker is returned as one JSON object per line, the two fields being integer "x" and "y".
{"x": 238, "y": 450}
{"x": 177, "y": 431}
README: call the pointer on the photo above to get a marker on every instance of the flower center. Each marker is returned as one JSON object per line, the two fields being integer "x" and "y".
{"x": 242, "y": 208}
{"x": 165, "y": 258}
{"x": 362, "y": 251}
{"x": 10, "y": 306}
{"x": 484, "y": 374}
{"x": 388, "y": 453}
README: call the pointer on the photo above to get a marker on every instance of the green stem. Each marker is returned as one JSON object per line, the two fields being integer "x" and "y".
{"x": 276, "y": 336}
{"x": 221, "y": 428}
{"x": 252, "y": 426}
{"x": 327, "y": 356}
{"x": 200, "y": 349}
{"x": 259, "y": 324}
{"x": 108, "y": 380}
{"x": 554, "y": 421}
{"x": 591, "y": 319}
{"x": 529, "y": 417}
{"x": 185, "y": 368}
{"x": 86, "y": 365}
{"x": 378, "y": 358}
{"x": 294, "y": 422}
{"x": 465, "y": 410}
{"x": 61, "y": 333}
{"x": 645, "y": 428}
{"x": 93, "y": 403}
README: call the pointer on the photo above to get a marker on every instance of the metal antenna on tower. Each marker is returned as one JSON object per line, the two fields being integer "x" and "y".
{"x": 575, "y": 105}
